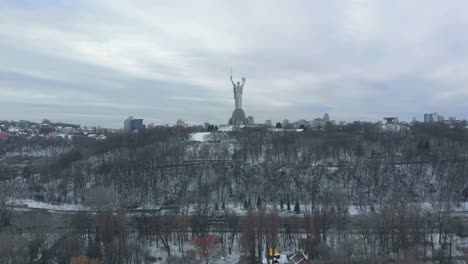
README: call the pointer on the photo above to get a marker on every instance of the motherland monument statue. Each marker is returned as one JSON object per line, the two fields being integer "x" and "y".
{"x": 237, "y": 89}
{"x": 238, "y": 116}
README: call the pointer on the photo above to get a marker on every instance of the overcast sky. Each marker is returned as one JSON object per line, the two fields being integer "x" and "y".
{"x": 95, "y": 62}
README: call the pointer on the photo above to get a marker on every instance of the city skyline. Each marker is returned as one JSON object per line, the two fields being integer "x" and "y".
{"x": 98, "y": 62}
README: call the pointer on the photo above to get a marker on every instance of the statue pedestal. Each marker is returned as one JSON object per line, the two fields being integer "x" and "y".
{"x": 238, "y": 118}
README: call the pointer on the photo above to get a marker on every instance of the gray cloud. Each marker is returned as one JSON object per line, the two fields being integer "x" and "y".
{"x": 96, "y": 62}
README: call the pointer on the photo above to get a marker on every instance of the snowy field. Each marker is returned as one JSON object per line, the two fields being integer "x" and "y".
{"x": 31, "y": 204}
{"x": 236, "y": 208}
{"x": 200, "y": 136}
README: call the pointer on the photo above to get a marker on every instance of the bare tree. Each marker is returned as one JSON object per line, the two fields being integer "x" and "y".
{"x": 208, "y": 248}
{"x": 6, "y": 207}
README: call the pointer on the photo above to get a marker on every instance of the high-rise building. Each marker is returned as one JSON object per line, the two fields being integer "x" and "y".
{"x": 427, "y": 118}
{"x": 431, "y": 118}
{"x": 317, "y": 123}
{"x": 181, "y": 123}
{"x": 301, "y": 122}
{"x": 326, "y": 117}
{"x": 133, "y": 124}
{"x": 268, "y": 123}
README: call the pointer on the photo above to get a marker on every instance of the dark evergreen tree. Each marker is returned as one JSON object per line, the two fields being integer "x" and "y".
{"x": 94, "y": 250}
{"x": 359, "y": 151}
{"x": 427, "y": 146}
{"x": 297, "y": 207}
{"x": 278, "y": 125}
{"x": 420, "y": 145}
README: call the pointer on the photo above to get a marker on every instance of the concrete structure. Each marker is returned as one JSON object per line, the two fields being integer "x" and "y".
{"x": 395, "y": 126}
{"x": 250, "y": 120}
{"x": 238, "y": 118}
{"x": 132, "y": 124}
{"x": 268, "y": 123}
{"x": 391, "y": 125}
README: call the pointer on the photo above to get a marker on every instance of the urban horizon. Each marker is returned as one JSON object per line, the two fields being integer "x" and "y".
{"x": 148, "y": 122}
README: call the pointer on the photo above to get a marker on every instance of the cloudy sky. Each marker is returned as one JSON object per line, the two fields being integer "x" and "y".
{"x": 95, "y": 62}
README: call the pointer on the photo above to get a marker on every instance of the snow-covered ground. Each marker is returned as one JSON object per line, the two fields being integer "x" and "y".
{"x": 234, "y": 208}
{"x": 285, "y": 130}
{"x": 200, "y": 136}
{"x": 225, "y": 128}
{"x": 462, "y": 207}
{"x": 29, "y": 203}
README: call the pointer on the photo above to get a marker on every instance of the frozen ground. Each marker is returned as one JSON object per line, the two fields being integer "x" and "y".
{"x": 225, "y": 128}
{"x": 235, "y": 208}
{"x": 29, "y": 203}
{"x": 200, "y": 136}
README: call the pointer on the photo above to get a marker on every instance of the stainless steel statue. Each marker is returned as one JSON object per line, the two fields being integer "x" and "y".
{"x": 237, "y": 89}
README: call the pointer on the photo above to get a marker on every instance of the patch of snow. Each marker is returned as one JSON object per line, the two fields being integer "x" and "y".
{"x": 462, "y": 207}
{"x": 282, "y": 259}
{"x": 276, "y": 129}
{"x": 42, "y": 205}
{"x": 225, "y": 128}
{"x": 200, "y": 136}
